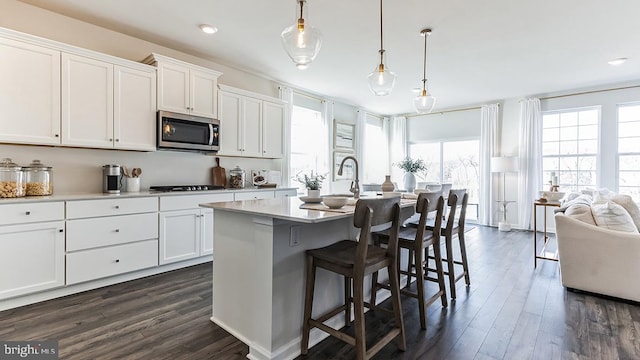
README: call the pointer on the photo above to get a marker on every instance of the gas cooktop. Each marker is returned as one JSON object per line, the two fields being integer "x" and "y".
{"x": 170, "y": 188}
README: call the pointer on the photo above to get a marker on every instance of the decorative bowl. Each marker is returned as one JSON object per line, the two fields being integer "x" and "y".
{"x": 334, "y": 202}
{"x": 552, "y": 195}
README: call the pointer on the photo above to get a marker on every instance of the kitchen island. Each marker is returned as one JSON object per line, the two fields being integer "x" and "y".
{"x": 259, "y": 271}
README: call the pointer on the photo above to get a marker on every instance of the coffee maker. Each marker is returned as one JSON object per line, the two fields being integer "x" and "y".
{"x": 111, "y": 179}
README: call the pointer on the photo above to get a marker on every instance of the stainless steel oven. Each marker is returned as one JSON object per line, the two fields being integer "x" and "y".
{"x": 186, "y": 132}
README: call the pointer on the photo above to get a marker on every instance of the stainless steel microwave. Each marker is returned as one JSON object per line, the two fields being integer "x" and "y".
{"x": 186, "y": 132}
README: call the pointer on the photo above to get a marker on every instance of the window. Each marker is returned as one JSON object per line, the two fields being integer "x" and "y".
{"x": 375, "y": 151}
{"x": 309, "y": 147}
{"x": 570, "y": 148}
{"x": 628, "y": 150}
{"x": 455, "y": 162}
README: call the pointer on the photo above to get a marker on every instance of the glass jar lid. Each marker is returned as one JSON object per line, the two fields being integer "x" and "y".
{"x": 7, "y": 164}
{"x": 37, "y": 165}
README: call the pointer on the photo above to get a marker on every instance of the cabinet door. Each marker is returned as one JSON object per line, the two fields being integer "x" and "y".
{"x": 272, "y": 130}
{"x": 30, "y": 88}
{"x": 179, "y": 235}
{"x": 203, "y": 94}
{"x": 229, "y": 112}
{"x": 206, "y": 231}
{"x": 87, "y": 106}
{"x": 134, "y": 109}
{"x": 31, "y": 258}
{"x": 173, "y": 88}
{"x": 251, "y": 127}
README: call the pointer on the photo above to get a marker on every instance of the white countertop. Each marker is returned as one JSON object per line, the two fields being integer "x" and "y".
{"x": 288, "y": 209}
{"x": 122, "y": 195}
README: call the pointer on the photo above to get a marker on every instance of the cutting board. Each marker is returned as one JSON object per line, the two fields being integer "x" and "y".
{"x": 219, "y": 174}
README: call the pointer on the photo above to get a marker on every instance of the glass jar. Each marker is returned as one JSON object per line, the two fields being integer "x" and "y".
{"x": 236, "y": 178}
{"x": 38, "y": 179}
{"x": 12, "y": 184}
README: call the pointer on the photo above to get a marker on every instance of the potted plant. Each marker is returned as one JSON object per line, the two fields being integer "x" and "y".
{"x": 410, "y": 167}
{"x": 313, "y": 183}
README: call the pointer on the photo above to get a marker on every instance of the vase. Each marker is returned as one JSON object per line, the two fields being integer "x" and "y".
{"x": 387, "y": 185}
{"x": 313, "y": 193}
{"x": 409, "y": 181}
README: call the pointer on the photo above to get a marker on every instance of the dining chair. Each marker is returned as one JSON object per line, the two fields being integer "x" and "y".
{"x": 418, "y": 240}
{"x": 354, "y": 260}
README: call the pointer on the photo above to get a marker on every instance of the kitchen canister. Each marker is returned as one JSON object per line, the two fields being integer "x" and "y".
{"x": 38, "y": 179}
{"x": 236, "y": 178}
{"x": 12, "y": 183}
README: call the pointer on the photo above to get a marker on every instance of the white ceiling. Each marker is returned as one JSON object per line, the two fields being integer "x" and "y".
{"x": 479, "y": 51}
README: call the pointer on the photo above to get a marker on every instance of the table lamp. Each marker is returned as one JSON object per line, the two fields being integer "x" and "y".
{"x": 504, "y": 164}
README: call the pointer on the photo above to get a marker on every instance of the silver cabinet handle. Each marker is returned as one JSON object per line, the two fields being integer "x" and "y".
{"x": 117, "y": 260}
{"x": 117, "y": 230}
{"x": 28, "y": 213}
{"x": 57, "y": 135}
{"x": 117, "y": 206}
{"x": 117, "y": 140}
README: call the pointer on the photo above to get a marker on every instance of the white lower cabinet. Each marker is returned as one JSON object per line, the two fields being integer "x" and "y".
{"x": 255, "y": 195}
{"x": 186, "y": 230}
{"x": 108, "y": 237}
{"x": 31, "y": 258}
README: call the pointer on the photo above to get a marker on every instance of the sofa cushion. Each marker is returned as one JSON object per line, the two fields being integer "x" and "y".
{"x": 628, "y": 204}
{"x": 613, "y": 216}
{"x": 581, "y": 212}
{"x": 582, "y": 199}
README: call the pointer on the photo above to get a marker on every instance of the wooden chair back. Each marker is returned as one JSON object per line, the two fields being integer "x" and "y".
{"x": 458, "y": 198}
{"x": 427, "y": 203}
{"x": 374, "y": 212}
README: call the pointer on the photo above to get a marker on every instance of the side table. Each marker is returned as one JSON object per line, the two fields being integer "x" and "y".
{"x": 543, "y": 255}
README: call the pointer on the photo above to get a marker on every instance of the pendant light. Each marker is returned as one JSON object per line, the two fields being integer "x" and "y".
{"x": 301, "y": 41}
{"x": 381, "y": 79}
{"x": 424, "y": 102}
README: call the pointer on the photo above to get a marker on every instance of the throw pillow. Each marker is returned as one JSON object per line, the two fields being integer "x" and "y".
{"x": 628, "y": 204}
{"x": 613, "y": 216}
{"x": 602, "y": 195}
{"x": 581, "y": 212}
{"x": 582, "y": 199}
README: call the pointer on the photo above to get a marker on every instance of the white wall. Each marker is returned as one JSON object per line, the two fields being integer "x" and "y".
{"x": 461, "y": 124}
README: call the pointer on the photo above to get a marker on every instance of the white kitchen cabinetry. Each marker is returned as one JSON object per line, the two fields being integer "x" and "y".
{"x": 110, "y": 236}
{"x": 186, "y": 230}
{"x": 185, "y": 88}
{"x": 31, "y": 248}
{"x": 255, "y": 195}
{"x": 286, "y": 193}
{"x": 251, "y": 124}
{"x": 30, "y": 88}
{"x": 106, "y": 105}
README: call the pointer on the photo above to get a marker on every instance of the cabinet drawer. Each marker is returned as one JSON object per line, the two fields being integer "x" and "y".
{"x": 108, "y": 207}
{"x": 104, "y": 231}
{"x": 183, "y": 202}
{"x": 31, "y": 212}
{"x": 113, "y": 260}
{"x": 254, "y": 195}
{"x": 286, "y": 193}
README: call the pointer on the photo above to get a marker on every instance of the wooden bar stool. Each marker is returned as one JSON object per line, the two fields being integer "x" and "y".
{"x": 417, "y": 241}
{"x": 458, "y": 198}
{"x": 354, "y": 260}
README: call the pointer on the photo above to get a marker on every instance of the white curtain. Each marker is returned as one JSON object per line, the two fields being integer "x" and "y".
{"x": 397, "y": 145}
{"x": 361, "y": 123}
{"x": 530, "y": 159}
{"x": 286, "y": 94}
{"x": 488, "y": 148}
{"x": 324, "y": 157}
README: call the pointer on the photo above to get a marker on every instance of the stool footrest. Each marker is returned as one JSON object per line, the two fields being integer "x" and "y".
{"x": 338, "y": 334}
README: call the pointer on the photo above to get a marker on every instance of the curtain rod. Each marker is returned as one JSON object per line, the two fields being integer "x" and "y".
{"x": 590, "y": 92}
{"x": 296, "y": 91}
{"x": 445, "y": 111}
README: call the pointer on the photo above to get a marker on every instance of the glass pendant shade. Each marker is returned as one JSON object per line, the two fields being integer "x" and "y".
{"x": 381, "y": 80}
{"x": 301, "y": 41}
{"x": 424, "y": 102}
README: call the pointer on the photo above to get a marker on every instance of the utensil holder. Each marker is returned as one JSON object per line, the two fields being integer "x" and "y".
{"x": 133, "y": 184}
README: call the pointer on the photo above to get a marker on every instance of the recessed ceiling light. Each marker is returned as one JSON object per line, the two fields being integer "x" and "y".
{"x": 208, "y": 29}
{"x": 618, "y": 61}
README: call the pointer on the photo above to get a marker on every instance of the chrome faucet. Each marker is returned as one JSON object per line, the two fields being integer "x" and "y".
{"x": 355, "y": 187}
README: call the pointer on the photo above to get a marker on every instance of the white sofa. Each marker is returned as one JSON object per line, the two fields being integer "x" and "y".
{"x": 597, "y": 259}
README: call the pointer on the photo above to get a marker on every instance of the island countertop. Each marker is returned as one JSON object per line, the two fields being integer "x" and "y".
{"x": 289, "y": 208}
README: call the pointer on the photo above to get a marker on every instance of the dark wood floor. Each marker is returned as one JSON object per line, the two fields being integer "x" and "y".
{"x": 511, "y": 311}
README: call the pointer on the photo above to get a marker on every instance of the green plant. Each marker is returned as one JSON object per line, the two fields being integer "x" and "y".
{"x": 412, "y": 166}
{"x": 312, "y": 181}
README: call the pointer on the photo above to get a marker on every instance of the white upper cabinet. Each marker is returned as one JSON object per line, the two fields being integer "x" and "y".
{"x": 185, "y": 88}
{"x": 106, "y": 105}
{"x": 30, "y": 88}
{"x": 87, "y": 106}
{"x": 134, "y": 109}
{"x": 251, "y": 124}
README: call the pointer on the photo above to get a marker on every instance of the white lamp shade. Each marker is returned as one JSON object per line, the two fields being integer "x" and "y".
{"x": 424, "y": 103}
{"x": 504, "y": 164}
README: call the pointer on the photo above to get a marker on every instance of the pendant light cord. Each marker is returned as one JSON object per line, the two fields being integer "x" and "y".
{"x": 301, "y": 6}
{"x": 424, "y": 69}
{"x": 381, "y": 43}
